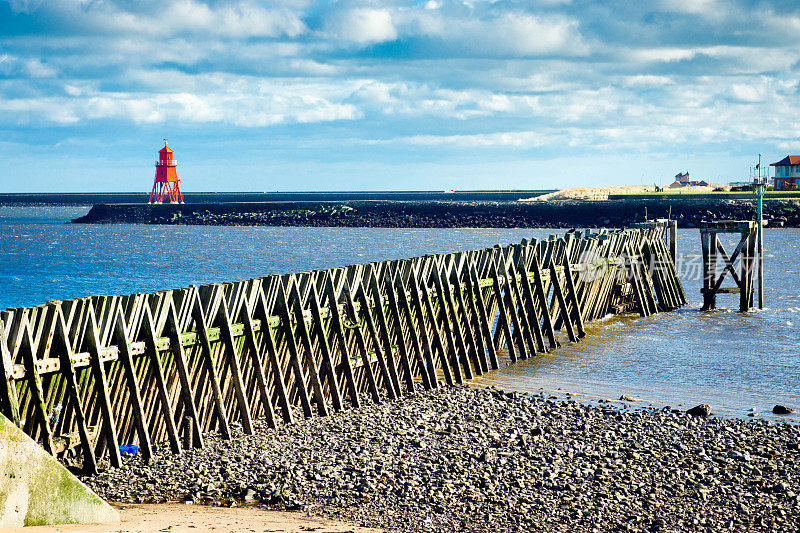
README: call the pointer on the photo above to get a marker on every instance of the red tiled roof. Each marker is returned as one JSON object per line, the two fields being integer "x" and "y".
{"x": 788, "y": 160}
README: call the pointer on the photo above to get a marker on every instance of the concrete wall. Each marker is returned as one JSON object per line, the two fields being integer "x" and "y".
{"x": 35, "y": 489}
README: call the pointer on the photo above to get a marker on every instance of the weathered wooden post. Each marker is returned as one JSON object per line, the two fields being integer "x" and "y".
{"x": 673, "y": 241}
{"x": 712, "y": 285}
{"x": 759, "y": 185}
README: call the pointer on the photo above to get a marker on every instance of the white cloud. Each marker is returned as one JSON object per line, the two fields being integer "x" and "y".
{"x": 693, "y": 7}
{"x": 166, "y": 18}
{"x": 662, "y": 54}
{"x": 362, "y": 25}
{"x": 421, "y": 100}
{"x": 27, "y": 68}
{"x": 511, "y": 139}
{"x": 646, "y": 81}
{"x": 249, "y": 104}
{"x": 36, "y": 69}
{"x": 513, "y": 33}
{"x": 747, "y": 93}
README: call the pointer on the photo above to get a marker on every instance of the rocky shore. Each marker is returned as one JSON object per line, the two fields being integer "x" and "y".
{"x": 426, "y": 214}
{"x": 462, "y": 459}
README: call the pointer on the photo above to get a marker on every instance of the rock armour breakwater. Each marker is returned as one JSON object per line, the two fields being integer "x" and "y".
{"x": 461, "y": 459}
{"x": 560, "y": 214}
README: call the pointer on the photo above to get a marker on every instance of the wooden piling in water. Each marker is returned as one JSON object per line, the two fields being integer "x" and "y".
{"x": 713, "y": 250}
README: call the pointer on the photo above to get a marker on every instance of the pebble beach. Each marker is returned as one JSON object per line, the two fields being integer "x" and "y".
{"x": 465, "y": 459}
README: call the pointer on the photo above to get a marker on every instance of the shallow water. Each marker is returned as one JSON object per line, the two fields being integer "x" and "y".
{"x": 732, "y": 361}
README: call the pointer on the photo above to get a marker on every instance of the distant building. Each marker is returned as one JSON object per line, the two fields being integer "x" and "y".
{"x": 683, "y": 180}
{"x": 787, "y": 173}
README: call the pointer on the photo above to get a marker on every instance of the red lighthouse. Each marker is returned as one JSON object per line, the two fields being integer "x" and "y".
{"x": 167, "y": 183}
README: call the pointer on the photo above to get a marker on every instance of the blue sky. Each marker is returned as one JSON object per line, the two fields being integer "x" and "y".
{"x": 368, "y": 95}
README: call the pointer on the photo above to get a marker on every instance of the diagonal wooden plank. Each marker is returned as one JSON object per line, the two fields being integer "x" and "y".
{"x": 206, "y": 354}
{"x": 389, "y": 385}
{"x": 311, "y": 364}
{"x": 64, "y": 349}
{"x": 179, "y": 356}
{"x": 157, "y": 368}
{"x": 325, "y": 348}
{"x": 402, "y": 348}
{"x": 338, "y": 328}
{"x": 282, "y": 306}
{"x": 232, "y": 358}
{"x": 120, "y": 337}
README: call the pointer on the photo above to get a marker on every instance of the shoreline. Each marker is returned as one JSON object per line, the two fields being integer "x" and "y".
{"x": 689, "y": 213}
{"x": 461, "y": 459}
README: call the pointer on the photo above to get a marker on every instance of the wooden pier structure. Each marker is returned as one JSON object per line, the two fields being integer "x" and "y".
{"x": 169, "y": 367}
{"x": 713, "y": 250}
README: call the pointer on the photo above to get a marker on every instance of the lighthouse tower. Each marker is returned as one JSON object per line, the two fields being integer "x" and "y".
{"x": 167, "y": 183}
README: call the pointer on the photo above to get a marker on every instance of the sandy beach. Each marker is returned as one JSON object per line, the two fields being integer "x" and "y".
{"x": 182, "y": 518}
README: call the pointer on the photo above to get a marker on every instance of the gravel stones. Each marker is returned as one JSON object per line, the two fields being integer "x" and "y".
{"x": 462, "y": 459}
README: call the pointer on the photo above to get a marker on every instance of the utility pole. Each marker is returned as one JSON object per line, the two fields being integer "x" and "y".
{"x": 759, "y": 185}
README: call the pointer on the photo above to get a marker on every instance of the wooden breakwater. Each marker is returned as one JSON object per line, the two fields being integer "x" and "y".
{"x": 91, "y": 373}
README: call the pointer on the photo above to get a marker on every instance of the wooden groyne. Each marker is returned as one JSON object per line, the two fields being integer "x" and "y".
{"x": 92, "y": 373}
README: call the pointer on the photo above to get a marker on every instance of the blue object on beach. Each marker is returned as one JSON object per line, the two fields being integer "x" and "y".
{"x": 131, "y": 449}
